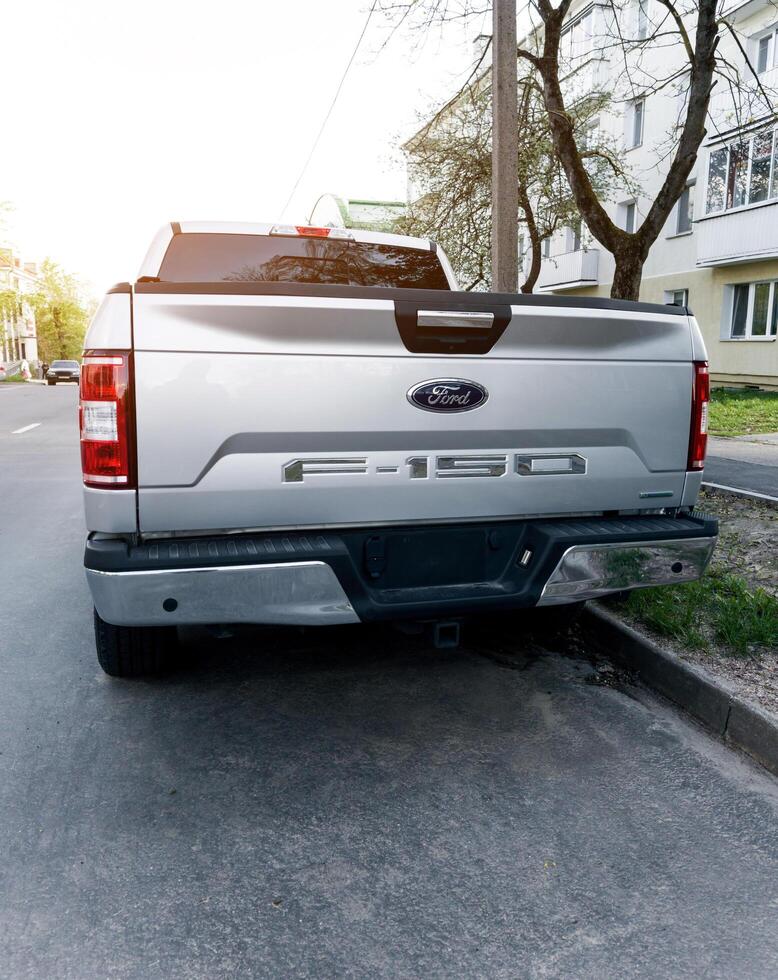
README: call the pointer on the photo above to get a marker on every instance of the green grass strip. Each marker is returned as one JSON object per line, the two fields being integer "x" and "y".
{"x": 719, "y": 612}
{"x": 740, "y": 413}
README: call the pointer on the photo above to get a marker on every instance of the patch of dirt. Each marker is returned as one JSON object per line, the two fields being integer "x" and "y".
{"x": 747, "y": 546}
{"x": 606, "y": 674}
{"x": 748, "y": 538}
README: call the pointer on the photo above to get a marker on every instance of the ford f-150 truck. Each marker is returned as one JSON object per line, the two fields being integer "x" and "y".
{"x": 288, "y": 424}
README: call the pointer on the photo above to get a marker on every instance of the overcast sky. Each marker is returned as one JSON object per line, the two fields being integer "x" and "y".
{"x": 119, "y": 116}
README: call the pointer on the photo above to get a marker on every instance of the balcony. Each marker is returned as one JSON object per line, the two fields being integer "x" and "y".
{"x": 747, "y": 234}
{"x": 570, "y": 270}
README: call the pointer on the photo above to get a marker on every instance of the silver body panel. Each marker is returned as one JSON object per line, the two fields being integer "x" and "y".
{"x": 229, "y": 324}
{"x": 230, "y": 388}
{"x": 111, "y": 326}
{"x": 111, "y": 511}
{"x": 691, "y": 489}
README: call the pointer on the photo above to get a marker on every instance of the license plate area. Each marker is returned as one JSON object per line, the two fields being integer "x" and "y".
{"x": 434, "y": 558}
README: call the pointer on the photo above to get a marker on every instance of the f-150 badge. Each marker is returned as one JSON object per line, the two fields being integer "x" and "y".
{"x": 447, "y": 395}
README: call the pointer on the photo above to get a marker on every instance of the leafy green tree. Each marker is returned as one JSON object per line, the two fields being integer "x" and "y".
{"x": 450, "y": 167}
{"x": 61, "y": 313}
{"x": 9, "y": 304}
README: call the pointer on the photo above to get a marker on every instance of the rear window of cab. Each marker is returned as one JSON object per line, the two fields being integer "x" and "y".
{"x": 198, "y": 257}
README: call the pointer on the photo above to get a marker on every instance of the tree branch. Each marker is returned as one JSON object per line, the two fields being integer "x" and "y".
{"x": 671, "y": 8}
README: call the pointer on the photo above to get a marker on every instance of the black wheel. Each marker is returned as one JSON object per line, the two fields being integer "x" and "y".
{"x": 50, "y": 382}
{"x": 134, "y": 651}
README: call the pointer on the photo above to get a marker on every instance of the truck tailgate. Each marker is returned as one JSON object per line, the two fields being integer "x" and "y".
{"x": 257, "y": 409}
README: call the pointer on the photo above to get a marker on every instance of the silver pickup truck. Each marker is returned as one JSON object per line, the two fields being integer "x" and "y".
{"x": 284, "y": 424}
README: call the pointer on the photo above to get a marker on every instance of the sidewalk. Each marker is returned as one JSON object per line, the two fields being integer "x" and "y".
{"x": 744, "y": 462}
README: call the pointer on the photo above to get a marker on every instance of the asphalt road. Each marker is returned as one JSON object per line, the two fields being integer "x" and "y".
{"x": 742, "y": 476}
{"x": 348, "y": 803}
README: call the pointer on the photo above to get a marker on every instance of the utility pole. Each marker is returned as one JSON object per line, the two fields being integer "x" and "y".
{"x": 505, "y": 149}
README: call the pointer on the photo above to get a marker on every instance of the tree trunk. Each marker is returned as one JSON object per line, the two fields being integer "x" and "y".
{"x": 534, "y": 237}
{"x": 627, "y": 276}
{"x": 630, "y": 250}
{"x": 534, "y": 270}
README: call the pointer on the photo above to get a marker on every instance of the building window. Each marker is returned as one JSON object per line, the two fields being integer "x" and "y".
{"x": 629, "y": 217}
{"x": 761, "y": 163}
{"x": 575, "y": 235}
{"x": 767, "y": 52}
{"x": 677, "y": 297}
{"x": 590, "y": 138}
{"x": 642, "y": 24}
{"x": 547, "y": 247}
{"x": 637, "y": 114}
{"x": 576, "y": 39}
{"x": 744, "y": 172}
{"x": 754, "y": 310}
{"x": 763, "y": 53}
{"x": 685, "y": 213}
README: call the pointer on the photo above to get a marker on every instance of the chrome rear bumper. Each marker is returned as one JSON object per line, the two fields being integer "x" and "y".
{"x": 292, "y": 593}
{"x": 321, "y": 577}
{"x": 590, "y": 571}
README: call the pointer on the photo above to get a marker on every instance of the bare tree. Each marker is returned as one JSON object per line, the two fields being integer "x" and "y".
{"x": 450, "y": 168}
{"x": 693, "y": 29}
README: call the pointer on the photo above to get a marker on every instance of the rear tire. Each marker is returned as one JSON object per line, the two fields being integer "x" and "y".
{"x": 134, "y": 651}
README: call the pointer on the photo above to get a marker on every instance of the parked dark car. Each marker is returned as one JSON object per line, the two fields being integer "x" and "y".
{"x": 63, "y": 371}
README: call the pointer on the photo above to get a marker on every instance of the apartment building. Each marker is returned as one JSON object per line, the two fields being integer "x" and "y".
{"x": 718, "y": 252}
{"x": 18, "y": 338}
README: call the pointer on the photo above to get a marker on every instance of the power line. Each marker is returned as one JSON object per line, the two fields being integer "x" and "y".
{"x": 329, "y": 111}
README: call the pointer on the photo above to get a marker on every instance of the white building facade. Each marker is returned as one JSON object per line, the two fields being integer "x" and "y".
{"x": 718, "y": 252}
{"x": 18, "y": 279}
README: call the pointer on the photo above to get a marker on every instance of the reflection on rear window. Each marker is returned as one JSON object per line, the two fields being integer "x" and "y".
{"x": 195, "y": 257}
{"x": 64, "y": 364}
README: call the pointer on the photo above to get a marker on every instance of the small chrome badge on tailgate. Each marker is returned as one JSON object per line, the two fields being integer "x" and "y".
{"x": 447, "y": 395}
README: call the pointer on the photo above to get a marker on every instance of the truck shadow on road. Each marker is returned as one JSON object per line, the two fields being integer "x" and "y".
{"x": 357, "y": 693}
{"x": 250, "y": 652}
{"x": 350, "y": 712}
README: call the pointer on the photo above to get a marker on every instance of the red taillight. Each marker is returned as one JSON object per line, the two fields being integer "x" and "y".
{"x": 105, "y": 414}
{"x": 698, "y": 436}
{"x": 312, "y": 232}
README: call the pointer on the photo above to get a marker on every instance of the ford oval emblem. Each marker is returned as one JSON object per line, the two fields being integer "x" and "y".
{"x": 447, "y": 395}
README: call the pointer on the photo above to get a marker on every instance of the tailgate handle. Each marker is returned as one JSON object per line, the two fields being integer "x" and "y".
{"x": 450, "y": 318}
{"x": 472, "y": 324}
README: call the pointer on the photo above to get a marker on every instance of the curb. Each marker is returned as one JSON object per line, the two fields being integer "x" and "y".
{"x": 737, "y": 722}
{"x": 720, "y": 490}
